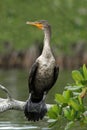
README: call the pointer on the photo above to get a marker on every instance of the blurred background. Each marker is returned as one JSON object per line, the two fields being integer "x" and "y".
{"x": 21, "y": 44}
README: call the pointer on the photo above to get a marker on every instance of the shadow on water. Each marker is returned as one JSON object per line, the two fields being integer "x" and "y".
{"x": 16, "y": 82}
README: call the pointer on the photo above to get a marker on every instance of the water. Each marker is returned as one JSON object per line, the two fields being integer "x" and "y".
{"x": 16, "y": 82}
{"x": 13, "y": 126}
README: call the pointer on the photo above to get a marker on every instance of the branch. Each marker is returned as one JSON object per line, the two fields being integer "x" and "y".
{"x": 9, "y": 103}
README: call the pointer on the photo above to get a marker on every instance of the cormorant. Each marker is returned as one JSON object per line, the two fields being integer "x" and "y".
{"x": 42, "y": 77}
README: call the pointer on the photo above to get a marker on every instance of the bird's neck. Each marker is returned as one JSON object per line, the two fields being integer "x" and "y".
{"x": 46, "y": 48}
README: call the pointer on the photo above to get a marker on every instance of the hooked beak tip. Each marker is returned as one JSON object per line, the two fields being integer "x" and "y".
{"x": 27, "y": 22}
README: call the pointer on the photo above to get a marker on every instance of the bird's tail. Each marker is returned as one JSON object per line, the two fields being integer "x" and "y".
{"x": 35, "y": 111}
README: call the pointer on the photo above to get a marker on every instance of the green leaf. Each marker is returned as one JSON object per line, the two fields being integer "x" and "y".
{"x": 69, "y": 125}
{"x": 77, "y": 76}
{"x": 51, "y": 124}
{"x": 84, "y": 82}
{"x": 80, "y": 99}
{"x": 74, "y": 88}
{"x": 85, "y": 71}
{"x": 76, "y": 94}
{"x": 67, "y": 95}
{"x": 67, "y": 114}
{"x": 60, "y": 99}
{"x": 74, "y": 104}
{"x": 53, "y": 112}
{"x": 72, "y": 113}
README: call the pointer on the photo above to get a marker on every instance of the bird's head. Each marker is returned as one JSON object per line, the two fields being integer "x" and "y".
{"x": 43, "y": 24}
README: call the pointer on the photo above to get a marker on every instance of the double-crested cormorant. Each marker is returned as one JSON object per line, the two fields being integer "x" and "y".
{"x": 42, "y": 77}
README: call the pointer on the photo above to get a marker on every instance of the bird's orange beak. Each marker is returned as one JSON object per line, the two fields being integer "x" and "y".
{"x": 39, "y": 25}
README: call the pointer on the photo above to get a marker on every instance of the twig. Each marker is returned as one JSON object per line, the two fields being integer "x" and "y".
{"x": 6, "y": 91}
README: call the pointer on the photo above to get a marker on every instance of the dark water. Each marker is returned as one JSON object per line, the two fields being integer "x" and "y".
{"x": 16, "y": 82}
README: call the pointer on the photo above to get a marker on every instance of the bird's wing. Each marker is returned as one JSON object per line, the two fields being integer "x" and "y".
{"x": 55, "y": 76}
{"x": 56, "y": 73}
{"x": 32, "y": 75}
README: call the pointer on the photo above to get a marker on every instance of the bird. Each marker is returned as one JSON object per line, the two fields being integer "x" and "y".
{"x": 42, "y": 77}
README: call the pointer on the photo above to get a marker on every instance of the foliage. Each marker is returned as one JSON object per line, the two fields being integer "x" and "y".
{"x": 68, "y": 19}
{"x": 70, "y": 104}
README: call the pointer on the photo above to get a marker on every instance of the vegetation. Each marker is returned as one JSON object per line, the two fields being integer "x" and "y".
{"x": 70, "y": 104}
{"x": 67, "y": 17}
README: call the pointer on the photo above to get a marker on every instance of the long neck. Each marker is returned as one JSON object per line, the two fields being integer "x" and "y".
{"x": 46, "y": 48}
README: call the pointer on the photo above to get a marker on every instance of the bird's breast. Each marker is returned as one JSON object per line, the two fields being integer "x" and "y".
{"x": 46, "y": 67}
{"x": 45, "y": 74}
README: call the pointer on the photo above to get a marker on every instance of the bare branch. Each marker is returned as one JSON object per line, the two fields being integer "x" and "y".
{"x": 6, "y": 91}
{"x": 6, "y": 104}
{"x": 10, "y": 103}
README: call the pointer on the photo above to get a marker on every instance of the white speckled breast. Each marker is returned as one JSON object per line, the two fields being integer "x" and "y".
{"x": 44, "y": 73}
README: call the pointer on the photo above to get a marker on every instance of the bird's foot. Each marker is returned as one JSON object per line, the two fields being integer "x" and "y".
{"x": 35, "y": 111}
